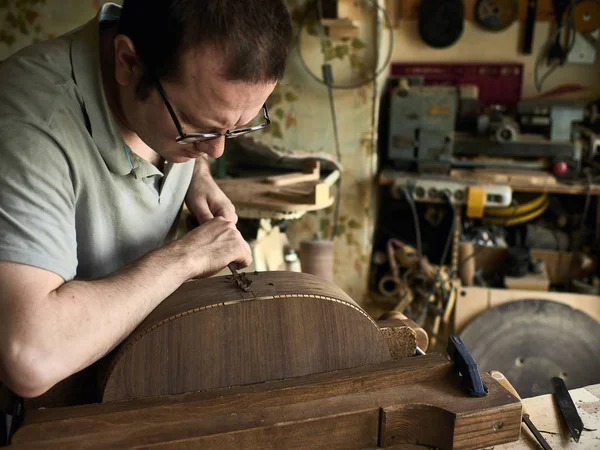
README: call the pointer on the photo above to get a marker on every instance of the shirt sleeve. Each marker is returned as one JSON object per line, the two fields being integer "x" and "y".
{"x": 37, "y": 200}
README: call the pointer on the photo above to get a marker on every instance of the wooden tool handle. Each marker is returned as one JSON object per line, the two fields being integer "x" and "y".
{"x": 400, "y": 319}
{"x": 500, "y": 378}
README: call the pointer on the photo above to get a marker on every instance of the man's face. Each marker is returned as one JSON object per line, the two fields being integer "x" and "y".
{"x": 203, "y": 102}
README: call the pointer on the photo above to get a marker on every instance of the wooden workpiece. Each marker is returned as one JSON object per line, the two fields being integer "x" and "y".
{"x": 287, "y": 325}
{"x": 254, "y": 192}
{"x": 409, "y": 401}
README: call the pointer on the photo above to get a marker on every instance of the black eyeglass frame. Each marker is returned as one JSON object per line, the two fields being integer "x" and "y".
{"x": 189, "y": 138}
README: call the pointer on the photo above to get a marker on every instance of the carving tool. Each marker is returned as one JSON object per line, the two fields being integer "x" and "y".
{"x": 500, "y": 378}
{"x": 241, "y": 280}
{"x": 529, "y": 26}
{"x": 567, "y": 408}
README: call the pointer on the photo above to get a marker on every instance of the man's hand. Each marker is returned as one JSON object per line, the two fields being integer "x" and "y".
{"x": 210, "y": 247}
{"x": 205, "y": 199}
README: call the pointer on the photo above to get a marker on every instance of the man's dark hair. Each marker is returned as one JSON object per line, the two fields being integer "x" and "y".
{"x": 253, "y": 35}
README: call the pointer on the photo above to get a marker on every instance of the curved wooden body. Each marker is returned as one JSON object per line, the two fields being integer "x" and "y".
{"x": 209, "y": 334}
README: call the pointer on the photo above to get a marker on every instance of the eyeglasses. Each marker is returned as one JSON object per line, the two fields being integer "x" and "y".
{"x": 190, "y": 138}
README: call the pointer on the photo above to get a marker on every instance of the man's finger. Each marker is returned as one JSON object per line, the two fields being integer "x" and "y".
{"x": 203, "y": 214}
{"x": 227, "y": 214}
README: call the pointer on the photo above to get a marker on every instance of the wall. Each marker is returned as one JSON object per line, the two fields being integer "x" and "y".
{"x": 25, "y": 22}
{"x": 479, "y": 45}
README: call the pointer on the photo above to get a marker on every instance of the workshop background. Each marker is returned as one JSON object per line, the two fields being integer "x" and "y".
{"x": 345, "y": 127}
{"x": 301, "y": 112}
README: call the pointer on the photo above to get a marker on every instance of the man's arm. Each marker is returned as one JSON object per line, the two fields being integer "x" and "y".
{"x": 50, "y": 329}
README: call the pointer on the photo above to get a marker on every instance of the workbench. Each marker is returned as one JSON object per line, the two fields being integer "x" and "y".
{"x": 546, "y": 417}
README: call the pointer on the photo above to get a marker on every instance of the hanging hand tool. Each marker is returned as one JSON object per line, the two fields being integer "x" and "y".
{"x": 465, "y": 365}
{"x": 241, "y": 280}
{"x": 500, "y": 378}
{"x": 567, "y": 408}
{"x": 529, "y": 26}
{"x": 556, "y": 54}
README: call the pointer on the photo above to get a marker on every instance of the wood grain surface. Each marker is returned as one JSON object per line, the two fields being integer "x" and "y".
{"x": 415, "y": 400}
{"x": 254, "y": 192}
{"x": 209, "y": 334}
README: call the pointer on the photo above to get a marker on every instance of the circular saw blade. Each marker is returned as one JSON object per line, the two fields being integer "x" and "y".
{"x": 496, "y": 15}
{"x": 531, "y": 341}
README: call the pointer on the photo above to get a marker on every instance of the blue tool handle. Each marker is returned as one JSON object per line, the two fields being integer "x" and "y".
{"x": 465, "y": 365}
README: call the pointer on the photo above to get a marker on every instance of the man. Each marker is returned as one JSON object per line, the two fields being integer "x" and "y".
{"x": 103, "y": 132}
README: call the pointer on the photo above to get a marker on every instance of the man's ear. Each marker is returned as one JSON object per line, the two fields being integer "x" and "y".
{"x": 128, "y": 69}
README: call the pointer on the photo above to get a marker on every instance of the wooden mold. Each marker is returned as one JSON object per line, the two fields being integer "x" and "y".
{"x": 411, "y": 401}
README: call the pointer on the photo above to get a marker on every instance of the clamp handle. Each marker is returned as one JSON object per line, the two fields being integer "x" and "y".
{"x": 465, "y": 365}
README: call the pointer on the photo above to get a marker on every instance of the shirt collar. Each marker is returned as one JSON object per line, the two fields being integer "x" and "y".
{"x": 85, "y": 54}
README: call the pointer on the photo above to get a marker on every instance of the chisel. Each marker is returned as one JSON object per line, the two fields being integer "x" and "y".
{"x": 567, "y": 408}
{"x": 529, "y": 26}
{"x": 500, "y": 378}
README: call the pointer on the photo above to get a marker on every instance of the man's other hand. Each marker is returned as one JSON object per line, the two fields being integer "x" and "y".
{"x": 206, "y": 201}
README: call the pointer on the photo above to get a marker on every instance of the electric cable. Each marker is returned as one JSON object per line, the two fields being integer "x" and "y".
{"x": 519, "y": 219}
{"x": 514, "y": 211}
{"x": 570, "y": 28}
{"x": 376, "y": 72}
{"x": 328, "y": 77}
{"x": 442, "y": 260}
{"x": 586, "y": 207}
{"x": 417, "y": 226}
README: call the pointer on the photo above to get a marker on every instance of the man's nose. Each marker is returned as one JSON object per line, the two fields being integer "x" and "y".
{"x": 213, "y": 148}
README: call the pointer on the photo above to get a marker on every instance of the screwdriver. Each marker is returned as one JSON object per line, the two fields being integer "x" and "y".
{"x": 500, "y": 378}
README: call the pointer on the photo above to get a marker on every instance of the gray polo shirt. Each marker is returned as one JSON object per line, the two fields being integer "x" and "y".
{"x": 73, "y": 199}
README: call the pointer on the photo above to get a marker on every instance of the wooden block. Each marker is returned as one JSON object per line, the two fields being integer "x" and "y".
{"x": 393, "y": 319}
{"x": 405, "y": 402}
{"x": 311, "y": 172}
{"x": 402, "y": 341}
{"x": 255, "y": 193}
{"x": 312, "y": 192}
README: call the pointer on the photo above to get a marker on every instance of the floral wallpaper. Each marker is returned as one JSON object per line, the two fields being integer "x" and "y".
{"x": 305, "y": 122}
{"x": 23, "y": 22}
{"x": 300, "y": 113}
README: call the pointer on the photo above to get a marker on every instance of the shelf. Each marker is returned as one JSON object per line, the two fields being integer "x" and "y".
{"x": 519, "y": 181}
{"x": 409, "y": 10}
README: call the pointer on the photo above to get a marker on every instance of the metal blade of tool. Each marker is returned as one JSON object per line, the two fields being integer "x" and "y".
{"x": 240, "y": 279}
{"x": 535, "y": 432}
{"x": 567, "y": 408}
{"x": 532, "y": 340}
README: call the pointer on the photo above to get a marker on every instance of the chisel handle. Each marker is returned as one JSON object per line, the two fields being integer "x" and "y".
{"x": 500, "y": 378}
